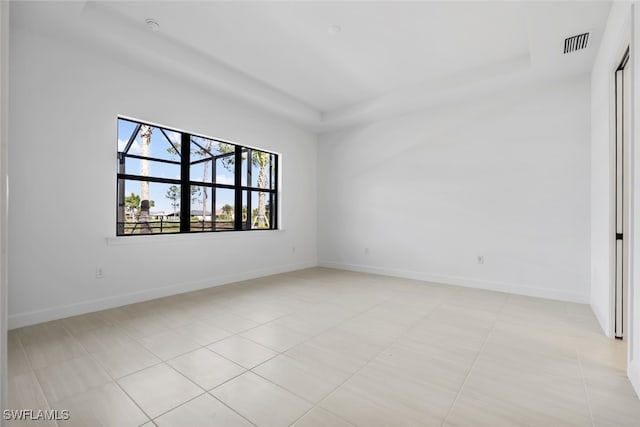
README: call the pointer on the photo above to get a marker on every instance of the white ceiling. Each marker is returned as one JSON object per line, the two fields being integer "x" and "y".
{"x": 390, "y": 57}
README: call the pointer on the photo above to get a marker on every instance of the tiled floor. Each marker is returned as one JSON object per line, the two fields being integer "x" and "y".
{"x": 323, "y": 347}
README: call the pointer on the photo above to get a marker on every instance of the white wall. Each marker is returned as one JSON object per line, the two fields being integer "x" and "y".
{"x": 4, "y": 102}
{"x": 64, "y": 104}
{"x": 633, "y": 368}
{"x": 614, "y": 42}
{"x": 505, "y": 177}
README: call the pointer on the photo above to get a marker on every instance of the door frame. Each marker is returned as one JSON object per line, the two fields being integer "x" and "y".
{"x": 4, "y": 136}
{"x": 620, "y": 279}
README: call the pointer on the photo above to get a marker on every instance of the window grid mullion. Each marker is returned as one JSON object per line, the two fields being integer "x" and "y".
{"x": 238, "y": 191}
{"x": 185, "y": 187}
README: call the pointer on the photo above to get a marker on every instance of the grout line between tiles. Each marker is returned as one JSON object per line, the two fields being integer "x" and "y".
{"x": 586, "y": 390}
{"x": 115, "y": 381}
{"x": 205, "y": 392}
{"x": 224, "y": 403}
{"x": 275, "y": 302}
{"x": 475, "y": 361}
{"x": 302, "y": 342}
{"x": 137, "y": 339}
{"x": 368, "y": 361}
{"x": 177, "y": 406}
{"x": 38, "y": 383}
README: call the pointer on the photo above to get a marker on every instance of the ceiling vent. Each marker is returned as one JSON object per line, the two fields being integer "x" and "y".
{"x": 574, "y": 43}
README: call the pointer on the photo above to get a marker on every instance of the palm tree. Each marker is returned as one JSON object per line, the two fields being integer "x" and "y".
{"x": 173, "y": 194}
{"x": 205, "y": 151}
{"x": 261, "y": 159}
{"x": 145, "y": 137}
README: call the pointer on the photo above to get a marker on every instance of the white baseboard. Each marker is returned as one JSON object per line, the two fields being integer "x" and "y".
{"x": 29, "y": 318}
{"x": 633, "y": 372}
{"x": 38, "y": 316}
{"x": 603, "y": 319}
{"x": 464, "y": 281}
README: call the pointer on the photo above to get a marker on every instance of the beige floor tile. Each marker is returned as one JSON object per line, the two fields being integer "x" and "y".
{"x": 318, "y": 417}
{"x": 371, "y": 350}
{"x": 103, "y": 339}
{"x": 25, "y": 393}
{"x": 230, "y": 322}
{"x": 348, "y": 343}
{"x": 606, "y": 380}
{"x": 419, "y": 400}
{"x": 600, "y": 350}
{"x": 53, "y": 349}
{"x": 378, "y": 331}
{"x": 176, "y": 314}
{"x": 360, "y": 411}
{"x": 533, "y": 340}
{"x": 203, "y": 333}
{"x": 458, "y": 355}
{"x": 537, "y": 320}
{"x": 159, "y": 389}
{"x": 473, "y": 409}
{"x": 257, "y": 399}
{"x": 206, "y": 368}
{"x": 310, "y": 352}
{"x": 627, "y": 416}
{"x": 34, "y": 421}
{"x": 113, "y": 315}
{"x": 612, "y": 403}
{"x": 65, "y": 379}
{"x": 277, "y": 338}
{"x": 17, "y": 360}
{"x": 203, "y": 411}
{"x": 142, "y": 325}
{"x": 123, "y": 360}
{"x": 506, "y": 358}
{"x": 105, "y": 406}
{"x": 41, "y": 332}
{"x": 439, "y": 370}
{"x": 575, "y": 309}
{"x": 429, "y": 332}
{"x": 312, "y": 381}
{"x": 561, "y": 397}
{"x": 242, "y": 351}
{"x": 168, "y": 344}
{"x": 329, "y": 313}
{"x": 526, "y": 306}
{"x": 400, "y": 312}
{"x": 478, "y": 300}
{"x": 462, "y": 317}
{"x": 84, "y": 322}
{"x": 306, "y": 325}
{"x": 258, "y": 312}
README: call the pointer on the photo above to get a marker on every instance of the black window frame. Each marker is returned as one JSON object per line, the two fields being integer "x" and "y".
{"x": 185, "y": 182}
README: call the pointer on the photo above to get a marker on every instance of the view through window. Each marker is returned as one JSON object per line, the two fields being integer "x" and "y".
{"x": 177, "y": 182}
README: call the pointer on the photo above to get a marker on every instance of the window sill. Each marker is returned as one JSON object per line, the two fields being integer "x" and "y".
{"x": 182, "y": 237}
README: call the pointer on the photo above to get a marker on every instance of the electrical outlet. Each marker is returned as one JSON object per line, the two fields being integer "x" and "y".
{"x": 480, "y": 259}
{"x": 366, "y": 251}
{"x": 99, "y": 273}
{"x": 293, "y": 249}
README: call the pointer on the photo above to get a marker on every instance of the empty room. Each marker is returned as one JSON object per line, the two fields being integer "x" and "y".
{"x": 319, "y": 213}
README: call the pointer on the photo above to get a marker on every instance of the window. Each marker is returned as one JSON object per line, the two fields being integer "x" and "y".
{"x": 177, "y": 182}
